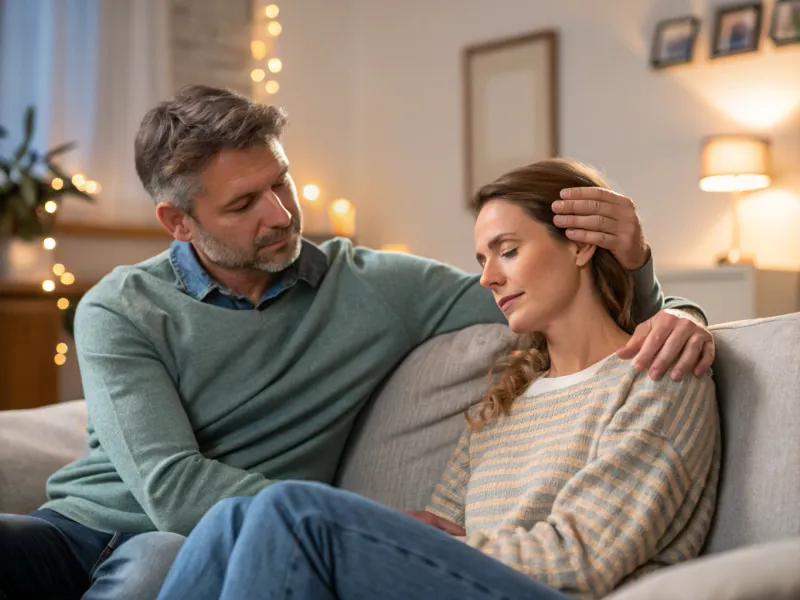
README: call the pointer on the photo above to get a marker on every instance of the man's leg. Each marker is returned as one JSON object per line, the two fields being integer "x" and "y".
{"x": 39, "y": 559}
{"x": 136, "y": 569}
{"x": 305, "y": 540}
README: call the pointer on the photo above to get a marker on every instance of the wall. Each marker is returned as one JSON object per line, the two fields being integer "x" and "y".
{"x": 399, "y": 74}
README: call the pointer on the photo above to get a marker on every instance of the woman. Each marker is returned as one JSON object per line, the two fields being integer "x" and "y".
{"x": 573, "y": 475}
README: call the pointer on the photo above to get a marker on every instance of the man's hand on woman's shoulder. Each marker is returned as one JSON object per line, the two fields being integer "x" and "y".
{"x": 672, "y": 340}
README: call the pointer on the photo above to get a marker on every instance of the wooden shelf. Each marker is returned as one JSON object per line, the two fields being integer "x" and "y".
{"x": 33, "y": 289}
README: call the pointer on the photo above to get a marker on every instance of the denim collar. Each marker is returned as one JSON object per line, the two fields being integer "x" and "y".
{"x": 309, "y": 267}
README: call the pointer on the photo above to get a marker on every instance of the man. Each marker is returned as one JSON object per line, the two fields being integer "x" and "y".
{"x": 243, "y": 354}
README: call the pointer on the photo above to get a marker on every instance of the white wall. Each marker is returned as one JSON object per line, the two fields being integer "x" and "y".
{"x": 374, "y": 91}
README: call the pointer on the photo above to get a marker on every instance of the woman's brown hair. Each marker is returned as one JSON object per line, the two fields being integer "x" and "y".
{"x": 534, "y": 188}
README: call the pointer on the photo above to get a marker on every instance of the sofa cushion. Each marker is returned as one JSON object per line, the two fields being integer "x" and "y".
{"x": 33, "y": 444}
{"x": 757, "y": 371}
{"x": 761, "y": 572}
{"x": 404, "y": 437}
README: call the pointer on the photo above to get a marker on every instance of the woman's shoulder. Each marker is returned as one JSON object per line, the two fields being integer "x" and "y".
{"x": 668, "y": 407}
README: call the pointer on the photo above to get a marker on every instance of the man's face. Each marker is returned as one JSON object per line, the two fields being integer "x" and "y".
{"x": 247, "y": 215}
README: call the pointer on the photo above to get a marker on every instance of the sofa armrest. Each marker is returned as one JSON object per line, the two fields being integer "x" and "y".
{"x": 35, "y": 443}
{"x": 764, "y": 572}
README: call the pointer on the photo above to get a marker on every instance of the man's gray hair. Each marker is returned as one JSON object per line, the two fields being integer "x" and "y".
{"x": 179, "y": 137}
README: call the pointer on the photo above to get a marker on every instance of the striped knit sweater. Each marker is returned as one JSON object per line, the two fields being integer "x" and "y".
{"x": 587, "y": 485}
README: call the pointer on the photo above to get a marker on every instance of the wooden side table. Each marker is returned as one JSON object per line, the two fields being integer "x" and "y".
{"x": 30, "y": 330}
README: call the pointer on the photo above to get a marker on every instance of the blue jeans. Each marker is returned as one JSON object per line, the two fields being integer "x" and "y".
{"x": 308, "y": 541}
{"x": 46, "y": 556}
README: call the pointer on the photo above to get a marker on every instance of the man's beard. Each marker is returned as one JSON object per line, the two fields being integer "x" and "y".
{"x": 223, "y": 255}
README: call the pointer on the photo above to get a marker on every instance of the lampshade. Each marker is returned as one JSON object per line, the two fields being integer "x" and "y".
{"x": 734, "y": 163}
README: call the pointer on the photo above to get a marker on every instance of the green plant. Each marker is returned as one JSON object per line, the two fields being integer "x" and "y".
{"x": 26, "y": 186}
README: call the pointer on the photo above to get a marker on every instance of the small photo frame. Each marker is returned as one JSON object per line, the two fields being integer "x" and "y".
{"x": 737, "y": 30}
{"x": 674, "y": 42}
{"x": 785, "y": 27}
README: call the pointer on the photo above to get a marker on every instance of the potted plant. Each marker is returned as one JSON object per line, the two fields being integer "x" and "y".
{"x": 32, "y": 187}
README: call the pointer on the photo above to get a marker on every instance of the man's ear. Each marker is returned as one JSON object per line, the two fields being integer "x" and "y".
{"x": 174, "y": 220}
{"x": 583, "y": 253}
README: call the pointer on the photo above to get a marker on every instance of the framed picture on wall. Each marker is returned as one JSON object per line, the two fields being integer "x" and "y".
{"x": 674, "y": 42}
{"x": 510, "y": 105}
{"x": 785, "y": 27}
{"x": 737, "y": 30}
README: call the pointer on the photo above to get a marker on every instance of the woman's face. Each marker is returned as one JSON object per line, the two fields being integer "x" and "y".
{"x": 533, "y": 275}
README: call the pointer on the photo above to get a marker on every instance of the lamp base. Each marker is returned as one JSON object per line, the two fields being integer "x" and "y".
{"x": 734, "y": 256}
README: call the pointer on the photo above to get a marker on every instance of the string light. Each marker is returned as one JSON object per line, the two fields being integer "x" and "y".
{"x": 51, "y": 206}
{"x": 48, "y": 285}
{"x": 62, "y": 348}
{"x": 266, "y": 30}
{"x": 63, "y": 304}
{"x": 68, "y": 279}
{"x": 57, "y": 183}
{"x": 92, "y": 187}
{"x": 49, "y": 243}
{"x": 60, "y": 359}
{"x": 59, "y": 269}
{"x": 258, "y": 49}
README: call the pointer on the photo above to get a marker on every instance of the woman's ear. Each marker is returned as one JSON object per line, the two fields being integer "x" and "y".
{"x": 583, "y": 253}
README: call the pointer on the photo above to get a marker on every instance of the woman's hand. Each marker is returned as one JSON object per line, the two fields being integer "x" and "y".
{"x": 437, "y": 522}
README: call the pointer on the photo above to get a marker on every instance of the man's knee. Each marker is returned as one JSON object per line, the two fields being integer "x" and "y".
{"x": 137, "y": 569}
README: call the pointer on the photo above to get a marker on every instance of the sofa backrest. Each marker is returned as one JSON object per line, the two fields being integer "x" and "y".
{"x": 404, "y": 437}
{"x": 406, "y": 434}
{"x": 757, "y": 372}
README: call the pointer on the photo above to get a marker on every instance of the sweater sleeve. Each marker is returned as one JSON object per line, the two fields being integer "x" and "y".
{"x": 141, "y": 424}
{"x": 616, "y": 513}
{"x": 431, "y": 298}
{"x": 449, "y": 495}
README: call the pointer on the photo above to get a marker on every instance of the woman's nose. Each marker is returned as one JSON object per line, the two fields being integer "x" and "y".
{"x": 491, "y": 276}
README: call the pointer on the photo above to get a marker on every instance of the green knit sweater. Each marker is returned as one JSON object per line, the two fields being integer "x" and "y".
{"x": 190, "y": 403}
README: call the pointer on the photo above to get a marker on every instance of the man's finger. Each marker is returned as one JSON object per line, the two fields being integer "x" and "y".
{"x": 598, "y": 238}
{"x": 594, "y": 223}
{"x": 706, "y": 358}
{"x": 450, "y": 528}
{"x": 586, "y": 207}
{"x": 689, "y": 358}
{"x": 659, "y": 332}
{"x": 635, "y": 343}
{"x": 593, "y": 193}
{"x": 679, "y": 333}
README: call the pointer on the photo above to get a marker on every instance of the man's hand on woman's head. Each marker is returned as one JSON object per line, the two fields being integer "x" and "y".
{"x": 437, "y": 522}
{"x": 598, "y": 216}
{"x": 670, "y": 340}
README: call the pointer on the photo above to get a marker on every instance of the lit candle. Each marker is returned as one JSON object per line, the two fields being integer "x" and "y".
{"x": 343, "y": 218}
{"x": 315, "y": 221}
{"x": 395, "y": 248}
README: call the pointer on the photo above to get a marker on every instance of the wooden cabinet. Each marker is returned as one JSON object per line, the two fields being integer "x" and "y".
{"x": 30, "y": 330}
{"x": 735, "y": 293}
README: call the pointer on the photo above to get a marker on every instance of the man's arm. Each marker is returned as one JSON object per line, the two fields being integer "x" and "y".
{"x": 142, "y": 426}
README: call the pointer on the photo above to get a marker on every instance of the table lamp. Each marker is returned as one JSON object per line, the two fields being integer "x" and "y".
{"x": 734, "y": 164}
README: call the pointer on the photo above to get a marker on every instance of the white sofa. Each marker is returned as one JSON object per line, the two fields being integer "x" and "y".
{"x": 405, "y": 435}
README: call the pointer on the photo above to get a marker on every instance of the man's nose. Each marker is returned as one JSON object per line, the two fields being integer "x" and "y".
{"x": 273, "y": 212}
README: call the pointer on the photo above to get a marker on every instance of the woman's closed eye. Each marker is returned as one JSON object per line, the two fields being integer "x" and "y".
{"x": 510, "y": 253}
